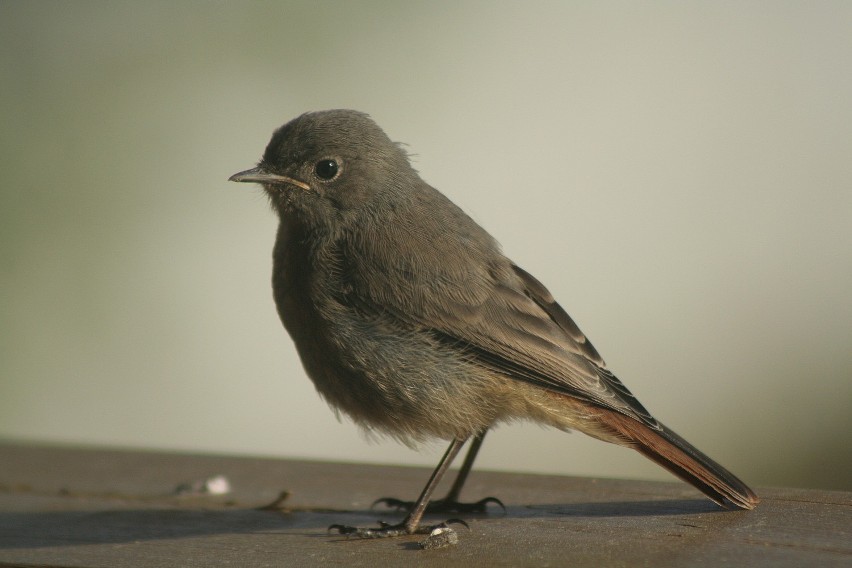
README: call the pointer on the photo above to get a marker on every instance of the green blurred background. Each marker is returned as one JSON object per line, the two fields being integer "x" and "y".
{"x": 679, "y": 175}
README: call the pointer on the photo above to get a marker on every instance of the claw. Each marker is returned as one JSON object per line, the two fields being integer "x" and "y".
{"x": 482, "y": 503}
{"x": 446, "y": 524}
{"x": 341, "y": 529}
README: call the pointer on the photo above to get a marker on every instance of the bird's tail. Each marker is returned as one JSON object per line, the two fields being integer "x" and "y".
{"x": 685, "y": 461}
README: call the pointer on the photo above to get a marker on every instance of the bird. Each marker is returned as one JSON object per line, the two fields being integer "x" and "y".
{"x": 410, "y": 320}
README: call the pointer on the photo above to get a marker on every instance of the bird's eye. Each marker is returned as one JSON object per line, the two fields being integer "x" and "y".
{"x": 327, "y": 169}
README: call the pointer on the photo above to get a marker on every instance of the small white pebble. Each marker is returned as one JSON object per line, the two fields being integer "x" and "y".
{"x": 440, "y": 537}
{"x": 217, "y": 485}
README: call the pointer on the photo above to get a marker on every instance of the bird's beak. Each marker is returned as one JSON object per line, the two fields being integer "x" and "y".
{"x": 260, "y": 175}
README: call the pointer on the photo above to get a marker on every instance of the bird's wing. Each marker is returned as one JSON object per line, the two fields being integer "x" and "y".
{"x": 504, "y": 319}
{"x": 583, "y": 369}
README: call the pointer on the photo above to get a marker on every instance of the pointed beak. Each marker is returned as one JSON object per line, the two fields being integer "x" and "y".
{"x": 260, "y": 175}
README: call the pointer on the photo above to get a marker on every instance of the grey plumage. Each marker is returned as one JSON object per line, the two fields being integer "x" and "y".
{"x": 408, "y": 317}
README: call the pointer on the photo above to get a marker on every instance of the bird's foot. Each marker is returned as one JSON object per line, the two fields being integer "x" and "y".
{"x": 442, "y": 505}
{"x": 385, "y": 530}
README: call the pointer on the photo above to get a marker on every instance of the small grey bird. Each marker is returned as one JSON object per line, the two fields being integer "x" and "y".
{"x": 409, "y": 319}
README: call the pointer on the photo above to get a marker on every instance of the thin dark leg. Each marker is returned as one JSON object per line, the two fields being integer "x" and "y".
{"x": 455, "y": 490}
{"x": 411, "y": 523}
{"x": 451, "y": 503}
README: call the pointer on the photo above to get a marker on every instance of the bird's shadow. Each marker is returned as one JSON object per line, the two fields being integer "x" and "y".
{"x": 645, "y": 508}
{"x": 21, "y": 530}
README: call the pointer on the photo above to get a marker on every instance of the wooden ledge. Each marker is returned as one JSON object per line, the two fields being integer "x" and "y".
{"x": 63, "y": 506}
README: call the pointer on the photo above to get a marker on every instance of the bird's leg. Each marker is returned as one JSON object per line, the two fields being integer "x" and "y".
{"x": 411, "y": 523}
{"x": 450, "y": 503}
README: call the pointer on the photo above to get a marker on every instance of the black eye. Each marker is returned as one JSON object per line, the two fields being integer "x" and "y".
{"x": 326, "y": 169}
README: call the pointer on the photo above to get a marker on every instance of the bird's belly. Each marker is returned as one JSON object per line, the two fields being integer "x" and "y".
{"x": 401, "y": 383}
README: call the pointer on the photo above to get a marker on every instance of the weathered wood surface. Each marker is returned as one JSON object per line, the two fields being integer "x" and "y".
{"x": 92, "y": 507}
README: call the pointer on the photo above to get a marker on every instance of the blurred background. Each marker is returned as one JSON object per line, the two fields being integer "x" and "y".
{"x": 678, "y": 174}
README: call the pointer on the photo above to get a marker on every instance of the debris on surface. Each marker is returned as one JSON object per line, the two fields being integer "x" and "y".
{"x": 278, "y": 504}
{"x": 441, "y": 537}
{"x": 215, "y": 485}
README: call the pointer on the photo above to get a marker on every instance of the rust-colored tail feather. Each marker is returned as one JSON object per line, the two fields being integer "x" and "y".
{"x": 685, "y": 461}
